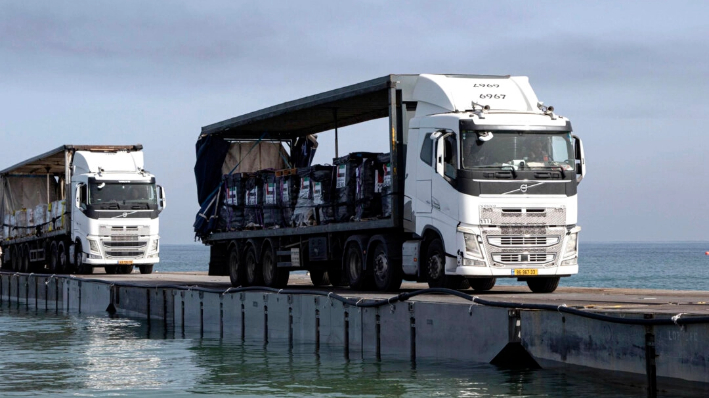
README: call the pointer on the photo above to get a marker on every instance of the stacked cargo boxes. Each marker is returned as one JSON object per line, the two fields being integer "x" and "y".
{"x": 253, "y": 200}
{"x": 346, "y": 185}
{"x": 287, "y": 191}
{"x": 272, "y": 212}
{"x": 384, "y": 183}
{"x": 231, "y": 212}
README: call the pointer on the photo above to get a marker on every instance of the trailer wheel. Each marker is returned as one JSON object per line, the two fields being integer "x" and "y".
{"x": 436, "y": 268}
{"x": 354, "y": 266}
{"x": 63, "y": 258}
{"x": 146, "y": 268}
{"x": 236, "y": 268}
{"x": 53, "y": 258}
{"x": 272, "y": 276}
{"x": 254, "y": 271}
{"x": 482, "y": 284}
{"x": 387, "y": 276}
{"x": 544, "y": 284}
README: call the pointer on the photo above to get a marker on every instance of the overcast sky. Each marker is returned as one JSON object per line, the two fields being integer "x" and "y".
{"x": 631, "y": 76}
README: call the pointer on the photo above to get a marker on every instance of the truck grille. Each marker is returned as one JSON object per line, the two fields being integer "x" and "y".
{"x": 123, "y": 241}
{"x": 522, "y": 241}
{"x": 523, "y": 258}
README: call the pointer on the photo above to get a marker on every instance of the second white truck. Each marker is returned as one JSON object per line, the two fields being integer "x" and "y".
{"x": 78, "y": 207}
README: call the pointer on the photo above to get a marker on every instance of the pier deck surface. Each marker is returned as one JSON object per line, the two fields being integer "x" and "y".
{"x": 669, "y": 302}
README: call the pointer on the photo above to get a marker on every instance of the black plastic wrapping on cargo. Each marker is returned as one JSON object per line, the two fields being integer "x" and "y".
{"x": 231, "y": 207}
{"x": 272, "y": 213}
{"x": 346, "y": 185}
{"x": 367, "y": 202}
{"x": 384, "y": 185}
{"x": 287, "y": 191}
{"x": 253, "y": 200}
{"x": 303, "y": 213}
{"x": 323, "y": 189}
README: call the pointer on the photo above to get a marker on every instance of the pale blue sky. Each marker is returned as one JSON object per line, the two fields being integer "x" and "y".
{"x": 631, "y": 76}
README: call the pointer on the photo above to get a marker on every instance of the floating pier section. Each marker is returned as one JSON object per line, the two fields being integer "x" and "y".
{"x": 656, "y": 340}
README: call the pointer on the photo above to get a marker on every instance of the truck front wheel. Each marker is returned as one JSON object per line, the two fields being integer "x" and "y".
{"x": 544, "y": 284}
{"x": 146, "y": 269}
{"x": 436, "y": 268}
{"x": 79, "y": 265}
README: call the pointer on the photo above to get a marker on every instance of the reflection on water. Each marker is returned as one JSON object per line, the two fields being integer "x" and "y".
{"x": 50, "y": 354}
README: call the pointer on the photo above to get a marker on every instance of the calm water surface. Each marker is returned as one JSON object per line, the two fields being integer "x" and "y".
{"x": 56, "y": 354}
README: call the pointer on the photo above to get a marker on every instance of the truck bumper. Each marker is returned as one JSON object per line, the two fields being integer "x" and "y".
{"x": 103, "y": 262}
{"x": 470, "y": 272}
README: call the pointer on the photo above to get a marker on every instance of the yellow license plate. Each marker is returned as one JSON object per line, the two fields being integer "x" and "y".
{"x": 129, "y": 262}
{"x": 526, "y": 272}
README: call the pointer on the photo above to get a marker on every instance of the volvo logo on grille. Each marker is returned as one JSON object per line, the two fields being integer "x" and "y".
{"x": 523, "y": 188}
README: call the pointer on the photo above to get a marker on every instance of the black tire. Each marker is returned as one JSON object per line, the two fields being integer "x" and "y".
{"x": 111, "y": 269}
{"x": 353, "y": 263}
{"x": 319, "y": 277}
{"x": 272, "y": 275}
{"x": 387, "y": 274}
{"x": 146, "y": 269}
{"x": 63, "y": 265}
{"x": 482, "y": 284}
{"x": 436, "y": 268}
{"x": 236, "y": 268}
{"x": 53, "y": 258}
{"x": 79, "y": 266}
{"x": 254, "y": 272}
{"x": 545, "y": 284}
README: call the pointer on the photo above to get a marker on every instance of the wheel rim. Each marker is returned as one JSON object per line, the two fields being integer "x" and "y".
{"x": 381, "y": 265}
{"x": 435, "y": 266}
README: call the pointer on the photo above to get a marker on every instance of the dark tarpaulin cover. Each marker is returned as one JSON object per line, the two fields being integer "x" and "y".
{"x": 211, "y": 152}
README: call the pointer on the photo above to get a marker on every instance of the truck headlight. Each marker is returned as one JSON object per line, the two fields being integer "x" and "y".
{"x": 471, "y": 245}
{"x": 93, "y": 246}
{"x": 154, "y": 246}
{"x": 571, "y": 245}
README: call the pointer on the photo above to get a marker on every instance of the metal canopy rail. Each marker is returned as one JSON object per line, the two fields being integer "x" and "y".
{"x": 53, "y": 162}
{"x": 353, "y": 104}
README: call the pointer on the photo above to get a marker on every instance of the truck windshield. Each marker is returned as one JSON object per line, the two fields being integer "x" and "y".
{"x": 121, "y": 193}
{"x": 519, "y": 149}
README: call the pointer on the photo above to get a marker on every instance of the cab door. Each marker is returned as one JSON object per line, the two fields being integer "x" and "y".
{"x": 424, "y": 172}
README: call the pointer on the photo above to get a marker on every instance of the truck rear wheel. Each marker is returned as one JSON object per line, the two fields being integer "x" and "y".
{"x": 53, "y": 258}
{"x": 236, "y": 269}
{"x": 387, "y": 275}
{"x": 354, "y": 267}
{"x": 272, "y": 276}
{"x": 254, "y": 271}
{"x": 15, "y": 259}
{"x": 319, "y": 277}
{"x": 543, "y": 284}
{"x": 436, "y": 268}
{"x": 482, "y": 284}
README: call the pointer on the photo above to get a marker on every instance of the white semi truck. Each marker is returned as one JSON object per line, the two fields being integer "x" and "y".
{"x": 78, "y": 207}
{"x": 484, "y": 186}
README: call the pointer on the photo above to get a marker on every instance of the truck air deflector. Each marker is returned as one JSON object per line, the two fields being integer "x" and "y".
{"x": 469, "y": 124}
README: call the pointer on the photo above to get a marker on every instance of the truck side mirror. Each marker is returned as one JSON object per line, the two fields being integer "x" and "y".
{"x": 580, "y": 160}
{"x": 441, "y": 155}
{"x": 80, "y": 196}
{"x": 162, "y": 201}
